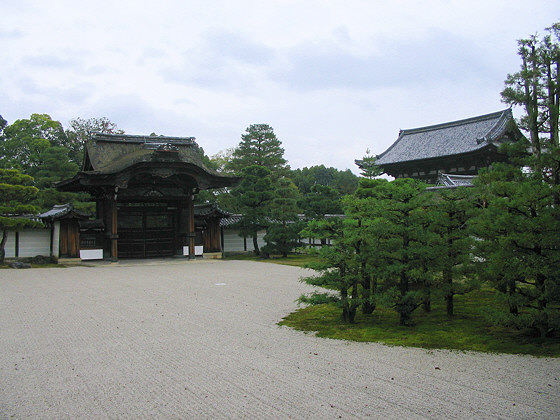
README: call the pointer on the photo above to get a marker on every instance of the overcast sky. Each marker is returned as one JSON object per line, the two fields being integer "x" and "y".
{"x": 333, "y": 78}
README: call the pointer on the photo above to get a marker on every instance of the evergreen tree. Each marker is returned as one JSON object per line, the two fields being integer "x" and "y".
{"x": 338, "y": 268}
{"x": 259, "y": 146}
{"x": 519, "y": 228}
{"x": 396, "y": 220}
{"x": 283, "y": 234}
{"x": 450, "y": 212}
{"x": 259, "y": 160}
{"x": 536, "y": 88}
{"x": 518, "y": 248}
{"x": 253, "y": 194}
{"x": 16, "y": 192}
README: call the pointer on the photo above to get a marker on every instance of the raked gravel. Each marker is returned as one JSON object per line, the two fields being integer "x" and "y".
{"x": 175, "y": 339}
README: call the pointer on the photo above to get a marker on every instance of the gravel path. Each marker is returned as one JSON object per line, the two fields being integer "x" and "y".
{"x": 198, "y": 339}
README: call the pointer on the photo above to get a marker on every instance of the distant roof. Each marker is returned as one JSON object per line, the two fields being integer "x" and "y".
{"x": 234, "y": 219}
{"x": 208, "y": 210}
{"x": 450, "y": 138}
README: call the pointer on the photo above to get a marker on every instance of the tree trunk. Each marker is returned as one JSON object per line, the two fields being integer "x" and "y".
{"x": 257, "y": 251}
{"x": 368, "y": 306}
{"x": 513, "y": 309}
{"x": 427, "y": 299}
{"x": 448, "y": 281}
{"x": 3, "y": 245}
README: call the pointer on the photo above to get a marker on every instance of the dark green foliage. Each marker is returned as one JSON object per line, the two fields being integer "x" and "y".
{"x": 450, "y": 212}
{"x": 16, "y": 192}
{"x": 536, "y": 87}
{"x": 519, "y": 252}
{"x": 259, "y": 146}
{"x": 23, "y": 142}
{"x": 253, "y": 194}
{"x": 320, "y": 201}
{"x": 339, "y": 269}
{"x": 344, "y": 182}
{"x": 393, "y": 224}
{"x": 38, "y": 147}
{"x": 368, "y": 167}
{"x": 283, "y": 234}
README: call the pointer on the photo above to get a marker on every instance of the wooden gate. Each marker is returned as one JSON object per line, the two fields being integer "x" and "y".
{"x": 146, "y": 232}
{"x": 69, "y": 238}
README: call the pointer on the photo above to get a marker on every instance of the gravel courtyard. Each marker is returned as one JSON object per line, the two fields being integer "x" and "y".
{"x": 199, "y": 339}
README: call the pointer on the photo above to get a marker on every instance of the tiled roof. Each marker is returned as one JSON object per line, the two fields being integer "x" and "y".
{"x": 447, "y": 181}
{"x": 448, "y": 139}
{"x": 60, "y": 211}
{"x": 210, "y": 210}
{"x": 455, "y": 180}
{"x": 107, "y": 155}
{"x": 110, "y": 153}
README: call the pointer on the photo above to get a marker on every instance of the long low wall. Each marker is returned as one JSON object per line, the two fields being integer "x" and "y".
{"x": 28, "y": 243}
{"x": 235, "y": 243}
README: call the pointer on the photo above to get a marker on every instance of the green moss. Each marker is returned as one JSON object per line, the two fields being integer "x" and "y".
{"x": 467, "y": 330}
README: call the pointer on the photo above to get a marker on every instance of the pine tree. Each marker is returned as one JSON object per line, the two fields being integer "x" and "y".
{"x": 253, "y": 194}
{"x": 283, "y": 234}
{"x": 259, "y": 146}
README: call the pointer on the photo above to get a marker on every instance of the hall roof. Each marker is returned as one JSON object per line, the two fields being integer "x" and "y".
{"x": 452, "y": 138}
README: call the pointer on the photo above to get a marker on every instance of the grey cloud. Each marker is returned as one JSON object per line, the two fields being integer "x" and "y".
{"x": 10, "y": 34}
{"x": 238, "y": 47}
{"x": 222, "y": 60}
{"x": 442, "y": 57}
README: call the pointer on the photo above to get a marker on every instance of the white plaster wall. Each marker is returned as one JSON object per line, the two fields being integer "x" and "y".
{"x": 35, "y": 242}
{"x": 56, "y": 239}
{"x": 234, "y": 243}
{"x": 10, "y": 247}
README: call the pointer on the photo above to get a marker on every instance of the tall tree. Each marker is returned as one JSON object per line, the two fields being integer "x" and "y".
{"x": 521, "y": 224}
{"x": 24, "y": 141}
{"x": 450, "y": 212}
{"x": 518, "y": 248}
{"x": 397, "y": 221}
{"x": 253, "y": 194}
{"x": 16, "y": 192}
{"x": 259, "y": 160}
{"x": 536, "y": 88}
{"x": 259, "y": 146}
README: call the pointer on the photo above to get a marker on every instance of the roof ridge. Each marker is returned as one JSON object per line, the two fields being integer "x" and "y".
{"x": 139, "y": 138}
{"x": 455, "y": 123}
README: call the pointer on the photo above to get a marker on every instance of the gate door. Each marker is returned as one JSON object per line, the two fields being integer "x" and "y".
{"x": 146, "y": 232}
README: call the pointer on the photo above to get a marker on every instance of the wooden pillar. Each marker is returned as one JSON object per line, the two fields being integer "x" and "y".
{"x": 114, "y": 233}
{"x": 190, "y": 225}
